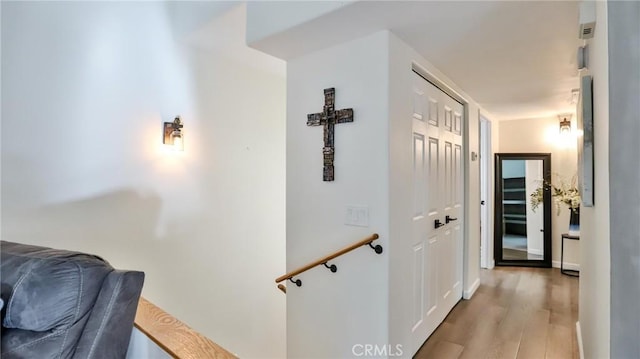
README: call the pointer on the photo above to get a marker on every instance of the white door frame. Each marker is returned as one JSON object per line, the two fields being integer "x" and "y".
{"x": 486, "y": 192}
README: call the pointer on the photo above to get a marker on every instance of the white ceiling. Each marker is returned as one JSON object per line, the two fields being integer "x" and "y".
{"x": 515, "y": 58}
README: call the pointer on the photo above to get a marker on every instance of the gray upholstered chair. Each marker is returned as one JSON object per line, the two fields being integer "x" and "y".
{"x": 63, "y": 304}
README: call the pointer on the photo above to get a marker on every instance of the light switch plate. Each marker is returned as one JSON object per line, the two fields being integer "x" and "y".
{"x": 357, "y": 216}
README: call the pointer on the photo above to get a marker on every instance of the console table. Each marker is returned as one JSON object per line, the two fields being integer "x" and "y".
{"x": 569, "y": 272}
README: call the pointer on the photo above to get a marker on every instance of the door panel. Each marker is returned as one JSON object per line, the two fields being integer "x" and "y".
{"x": 418, "y": 104}
{"x": 433, "y": 111}
{"x": 433, "y": 183}
{"x": 419, "y": 174}
{"x": 448, "y": 118}
{"x": 446, "y": 264}
{"x": 458, "y": 180}
{"x": 421, "y": 161}
{"x": 432, "y": 276}
{"x": 418, "y": 286}
{"x": 420, "y": 202}
{"x": 457, "y": 230}
{"x": 458, "y": 243}
{"x": 457, "y": 123}
{"x": 448, "y": 175}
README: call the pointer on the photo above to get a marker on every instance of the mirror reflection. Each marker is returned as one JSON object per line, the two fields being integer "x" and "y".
{"x": 523, "y": 227}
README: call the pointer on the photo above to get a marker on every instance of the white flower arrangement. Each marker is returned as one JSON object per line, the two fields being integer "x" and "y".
{"x": 564, "y": 193}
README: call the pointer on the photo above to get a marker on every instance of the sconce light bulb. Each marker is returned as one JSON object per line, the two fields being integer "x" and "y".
{"x": 177, "y": 140}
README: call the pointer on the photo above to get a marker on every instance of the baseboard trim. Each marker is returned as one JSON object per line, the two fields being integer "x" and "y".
{"x": 567, "y": 265}
{"x": 579, "y": 337}
{"x": 490, "y": 265}
{"x": 467, "y": 294}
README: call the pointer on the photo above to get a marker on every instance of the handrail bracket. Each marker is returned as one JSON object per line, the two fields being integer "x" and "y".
{"x": 377, "y": 248}
{"x": 333, "y": 268}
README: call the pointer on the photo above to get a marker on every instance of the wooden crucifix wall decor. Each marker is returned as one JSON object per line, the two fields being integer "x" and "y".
{"x": 328, "y": 118}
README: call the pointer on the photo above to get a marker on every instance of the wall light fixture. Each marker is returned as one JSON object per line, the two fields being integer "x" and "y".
{"x": 173, "y": 134}
{"x": 565, "y": 125}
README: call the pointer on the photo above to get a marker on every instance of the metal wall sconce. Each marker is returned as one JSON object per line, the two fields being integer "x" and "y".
{"x": 173, "y": 134}
{"x": 565, "y": 125}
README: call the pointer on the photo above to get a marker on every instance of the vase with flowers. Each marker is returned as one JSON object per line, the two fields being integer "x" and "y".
{"x": 564, "y": 193}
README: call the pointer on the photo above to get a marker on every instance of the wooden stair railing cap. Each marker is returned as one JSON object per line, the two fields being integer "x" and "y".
{"x": 175, "y": 337}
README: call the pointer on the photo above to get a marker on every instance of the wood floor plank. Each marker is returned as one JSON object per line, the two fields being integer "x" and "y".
{"x": 446, "y": 350}
{"x": 559, "y": 342}
{"x": 509, "y": 332}
{"x": 524, "y": 313}
{"x": 442, "y": 333}
{"x": 534, "y": 338}
{"x": 503, "y": 350}
{"x": 482, "y": 334}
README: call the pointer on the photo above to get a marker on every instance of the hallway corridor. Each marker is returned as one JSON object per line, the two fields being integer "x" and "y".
{"x": 523, "y": 313}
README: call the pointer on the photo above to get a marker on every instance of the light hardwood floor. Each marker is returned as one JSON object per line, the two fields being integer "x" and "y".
{"x": 523, "y": 313}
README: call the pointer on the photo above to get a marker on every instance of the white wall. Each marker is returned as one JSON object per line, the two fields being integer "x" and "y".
{"x": 86, "y": 87}
{"x": 332, "y": 312}
{"x": 595, "y": 280}
{"x": 541, "y": 135}
{"x": 624, "y": 149}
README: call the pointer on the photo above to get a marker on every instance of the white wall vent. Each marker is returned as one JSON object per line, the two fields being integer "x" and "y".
{"x": 587, "y": 30}
{"x": 587, "y": 19}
